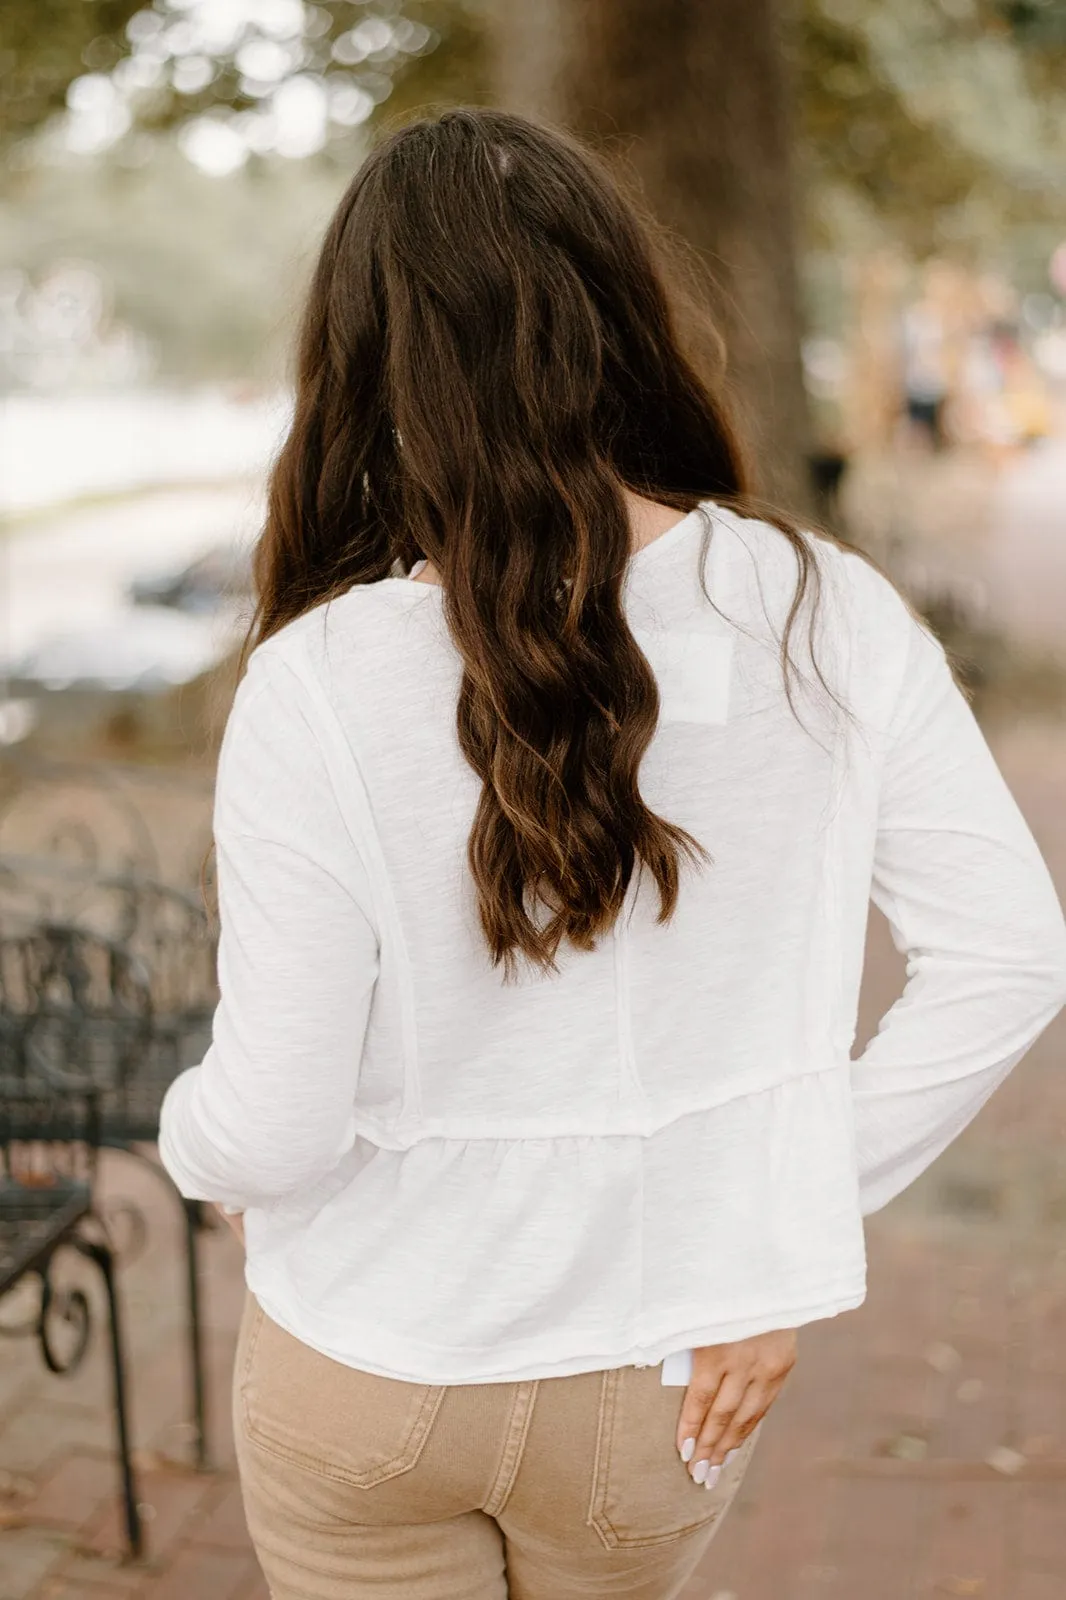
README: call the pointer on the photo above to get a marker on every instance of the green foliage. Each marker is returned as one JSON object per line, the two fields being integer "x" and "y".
{"x": 942, "y": 119}
{"x": 939, "y": 118}
{"x": 858, "y": 133}
{"x": 456, "y": 72}
{"x": 44, "y": 44}
{"x": 1034, "y": 22}
{"x": 934, "y": 124}
{"x": 427, "y": 50}
{"x": 210, "y": 270}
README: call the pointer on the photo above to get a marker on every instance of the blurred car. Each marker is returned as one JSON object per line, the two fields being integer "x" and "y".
{"x": 215, "y": 581}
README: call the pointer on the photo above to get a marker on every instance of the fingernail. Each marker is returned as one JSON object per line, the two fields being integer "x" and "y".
{"x": 712, "y": 1477}
{"x": 700, "y": 1471}
{"x": 688, "y": 1449}
{"x": 730, "y": 1456}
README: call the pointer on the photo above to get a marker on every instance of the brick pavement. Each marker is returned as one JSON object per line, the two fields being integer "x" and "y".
{"x": 918, "y": 1452}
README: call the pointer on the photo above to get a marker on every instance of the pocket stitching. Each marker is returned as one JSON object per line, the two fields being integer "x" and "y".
{"x": 609, "y": 1535}
{"x": 603, "y": 1450}
{"x": 395, "y": 1467}
{"x": 406, "y": 1456}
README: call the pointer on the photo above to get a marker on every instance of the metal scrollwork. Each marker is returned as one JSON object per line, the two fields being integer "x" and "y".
{"x": 61, "y": 1321}
{"x": 64, "y": 1324}
{"x": 126, "y": 1228}
{"x": 107, "y": 991}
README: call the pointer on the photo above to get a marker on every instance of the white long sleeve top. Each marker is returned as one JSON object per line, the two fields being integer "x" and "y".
{"x": 448, "y": 1179}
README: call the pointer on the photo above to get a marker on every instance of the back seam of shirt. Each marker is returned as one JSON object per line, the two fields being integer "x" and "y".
{"x": 350, "y": 788}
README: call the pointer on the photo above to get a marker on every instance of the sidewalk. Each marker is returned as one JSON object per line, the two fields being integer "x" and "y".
{"x": 918, "y": 1451}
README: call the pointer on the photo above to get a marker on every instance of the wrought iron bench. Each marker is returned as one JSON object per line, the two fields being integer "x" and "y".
{"x": 49, "y": 1139}
{"x": 131, "y": 1030}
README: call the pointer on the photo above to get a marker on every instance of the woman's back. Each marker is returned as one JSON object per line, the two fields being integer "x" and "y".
{"x": 681, "y": 1092}
{"x": 570, "y": 1052}
{"x": 543, "y": 896}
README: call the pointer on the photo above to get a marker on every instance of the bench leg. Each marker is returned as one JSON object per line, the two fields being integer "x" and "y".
{"x": 101, "y": 1254}
{"x": 193, "y": 1226}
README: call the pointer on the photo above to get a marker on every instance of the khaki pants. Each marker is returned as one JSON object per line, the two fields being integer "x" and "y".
{"x": 562, "y": 1489}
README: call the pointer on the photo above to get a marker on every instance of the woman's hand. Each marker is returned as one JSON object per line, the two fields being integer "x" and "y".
{"x": 234, "y": 1220}
{"x": 732, "y": 1388}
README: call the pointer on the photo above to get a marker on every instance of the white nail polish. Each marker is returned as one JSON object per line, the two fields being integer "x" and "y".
{"x": 714, "y": 1473}
{"x": 730, "y": 1456}
{"x": 688, "y": 1449}
{"x": 700, "y": 1471}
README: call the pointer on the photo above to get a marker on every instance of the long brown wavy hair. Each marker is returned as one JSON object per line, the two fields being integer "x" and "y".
{"x": 489, "y": 355}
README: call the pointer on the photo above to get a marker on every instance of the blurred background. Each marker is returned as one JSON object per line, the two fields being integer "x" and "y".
{"x": 873, "y": 199}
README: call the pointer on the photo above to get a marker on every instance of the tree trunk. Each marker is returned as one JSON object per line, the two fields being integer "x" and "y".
{"x": 697, "y": 95}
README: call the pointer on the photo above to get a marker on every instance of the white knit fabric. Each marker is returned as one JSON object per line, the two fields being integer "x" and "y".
{"x": 448, "y": 1179}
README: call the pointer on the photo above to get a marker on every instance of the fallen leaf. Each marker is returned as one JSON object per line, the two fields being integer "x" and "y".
{"x": 907, "y": 1447}
{"x": 943, "y": 1357}
{"x": 1004, "y": 1459}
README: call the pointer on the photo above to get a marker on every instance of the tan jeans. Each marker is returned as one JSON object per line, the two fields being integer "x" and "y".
{"x": 562, "y": 1489}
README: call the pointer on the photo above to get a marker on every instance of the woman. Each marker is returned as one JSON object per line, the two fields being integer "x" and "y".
{"x": 548, "y": 813}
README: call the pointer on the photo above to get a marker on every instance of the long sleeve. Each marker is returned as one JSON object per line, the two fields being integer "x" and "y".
{"x": 970, "y": 901}
{"x": 271, "y": 1107}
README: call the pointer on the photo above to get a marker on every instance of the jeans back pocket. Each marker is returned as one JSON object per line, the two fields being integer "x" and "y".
{"x": 642, "y": 1492}
{"x": 329, "y": 1419}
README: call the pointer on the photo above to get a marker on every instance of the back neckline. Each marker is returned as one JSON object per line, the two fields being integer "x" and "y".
{"x": 673, "y": 535}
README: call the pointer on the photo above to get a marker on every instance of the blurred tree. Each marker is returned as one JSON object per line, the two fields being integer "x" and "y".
{"x": 400, "y": 51}
{"x": 858, "y": 134}
{"x": 1040, "y": 22}
{"x": 45, "y": 44}
{"x": 893, "y": 102}
{"x": 209, "y": 270}
{"x": 935, "y": 125}
{"x": 697, "y": 97}
{"x": 244, "y": 65}
{"x": 942, "y": 119}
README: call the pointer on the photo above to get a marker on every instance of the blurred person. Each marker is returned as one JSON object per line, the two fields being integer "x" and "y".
{"x": 1007, "y": 391}
{"x": 1023, "y": 393}
{"x": 548, "y": 813}
{"x": 925, "y": 378}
